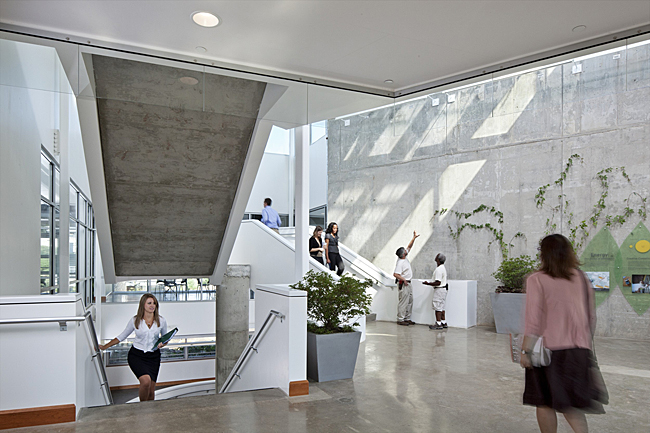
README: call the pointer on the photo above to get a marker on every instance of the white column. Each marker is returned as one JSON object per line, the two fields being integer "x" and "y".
{"x": 302, "y": 200}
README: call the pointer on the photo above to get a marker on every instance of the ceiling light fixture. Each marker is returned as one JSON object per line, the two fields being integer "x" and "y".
{"x": 578, "y": 29}
{"x": 388, "y": 81}
{"x": 201, "y": 49}
{"x": 205, "y": 19}
{"x": 191, "y": 81}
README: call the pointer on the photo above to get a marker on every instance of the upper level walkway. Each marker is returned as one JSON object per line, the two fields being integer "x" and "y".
{"x": 407, "y": 379}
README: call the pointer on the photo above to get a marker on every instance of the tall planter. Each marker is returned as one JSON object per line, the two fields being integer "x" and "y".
{"x": 509, "y": 312}
{"x": 332, "y": 356}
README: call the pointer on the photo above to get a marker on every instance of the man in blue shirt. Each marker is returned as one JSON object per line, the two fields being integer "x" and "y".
{"x": 270, "y": 217}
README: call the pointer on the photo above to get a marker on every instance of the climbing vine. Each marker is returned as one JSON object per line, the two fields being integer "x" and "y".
{"x": 496, "y": 231}
{"x": 579, "y": 230}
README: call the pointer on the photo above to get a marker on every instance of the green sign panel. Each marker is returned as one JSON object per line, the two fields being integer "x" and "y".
{"x": 633, "y": 268}
{"x": 599, "y": 262}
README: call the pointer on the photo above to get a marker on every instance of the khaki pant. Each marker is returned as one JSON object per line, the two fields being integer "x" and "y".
{"x": 439, "y": 298}
{"x": 405, "y": 305}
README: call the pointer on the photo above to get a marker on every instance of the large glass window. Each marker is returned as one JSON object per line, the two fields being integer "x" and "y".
{"x": 82, "y": 245}
{"x": 50, "y": 221}
{"x": 166, "y": 290}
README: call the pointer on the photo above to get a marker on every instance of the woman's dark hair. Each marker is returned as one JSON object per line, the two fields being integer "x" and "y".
{"x": 317, "y": 229}
{"x": 557, "y": 257}
{"x": 330, "y": 226}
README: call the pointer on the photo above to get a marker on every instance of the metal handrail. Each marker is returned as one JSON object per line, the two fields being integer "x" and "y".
{"x": 251, "y": 346}
{"x": 63, "y": 321}
{"x": 90, "y": 334}
{"x": 97, "y": 357}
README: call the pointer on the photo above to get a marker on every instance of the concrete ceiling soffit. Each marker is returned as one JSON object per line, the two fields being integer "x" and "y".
{"x": 174, "y": 145}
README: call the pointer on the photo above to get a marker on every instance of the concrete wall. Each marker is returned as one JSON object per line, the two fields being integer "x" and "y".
{"x": 494, "y": 143}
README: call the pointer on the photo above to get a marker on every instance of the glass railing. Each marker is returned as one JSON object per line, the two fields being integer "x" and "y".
{"x": 184, "y": 348}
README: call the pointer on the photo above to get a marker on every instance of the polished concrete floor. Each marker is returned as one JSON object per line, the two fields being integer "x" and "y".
{"x": 408, "y": 379}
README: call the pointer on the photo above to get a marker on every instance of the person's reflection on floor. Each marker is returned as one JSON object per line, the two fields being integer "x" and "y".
{"x": 403, "y": 365}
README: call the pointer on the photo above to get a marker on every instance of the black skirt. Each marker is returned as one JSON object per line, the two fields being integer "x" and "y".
{"x": 565, "y": 384}
{"x": 142, "y": 363}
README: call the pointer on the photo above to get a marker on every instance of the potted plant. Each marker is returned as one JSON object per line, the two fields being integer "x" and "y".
{"x": 509, "y": 299}
{"x": 332, "y": 343}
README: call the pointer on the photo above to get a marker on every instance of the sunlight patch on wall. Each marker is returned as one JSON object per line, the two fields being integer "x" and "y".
{"x": 366, "y": 226}
{"x": 519, "y": 96}
{"x": 392, "y": 193}
{"x": 454, "y": 181}
{"x": 420, "y": 221}
{"x": 351, "y": 151}
{"x": 385, "y": 144}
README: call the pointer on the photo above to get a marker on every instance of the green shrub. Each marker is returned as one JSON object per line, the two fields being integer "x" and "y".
{"x": 512, "y": 273}
{"x": 331, "y": 303}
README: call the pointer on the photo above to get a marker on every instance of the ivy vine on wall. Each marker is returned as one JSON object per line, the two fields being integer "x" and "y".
{"x": 496, "y": 231}
{"x": 579, "y": 230}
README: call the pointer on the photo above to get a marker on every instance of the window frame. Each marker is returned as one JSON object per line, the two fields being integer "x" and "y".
{"x": 83, "y": 218}
{"x": 53, "y": 202}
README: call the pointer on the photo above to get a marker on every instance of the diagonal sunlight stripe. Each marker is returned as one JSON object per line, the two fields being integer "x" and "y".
{"x": 418, "y": 220}
{"x": 386, "y": 143}
{"x": 454, "y": 181}
{"x": 519, "y": 95}
{"x": 391, "y": 193}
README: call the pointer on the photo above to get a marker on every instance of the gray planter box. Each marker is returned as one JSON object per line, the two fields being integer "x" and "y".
{"x": 509, "y": 310}
{"x": 332, "y": 356}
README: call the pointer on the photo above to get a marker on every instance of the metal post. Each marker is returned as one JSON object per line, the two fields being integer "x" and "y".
{"x": 302, "y": 201}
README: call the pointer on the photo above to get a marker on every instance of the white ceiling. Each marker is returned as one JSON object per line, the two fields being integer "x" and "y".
{"x": 350, "y": 42}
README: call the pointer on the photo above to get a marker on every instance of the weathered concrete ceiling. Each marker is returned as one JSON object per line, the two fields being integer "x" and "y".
{"x": 173, "y": 153}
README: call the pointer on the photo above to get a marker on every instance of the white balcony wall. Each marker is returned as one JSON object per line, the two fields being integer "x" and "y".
{"x": 41, "y": 365}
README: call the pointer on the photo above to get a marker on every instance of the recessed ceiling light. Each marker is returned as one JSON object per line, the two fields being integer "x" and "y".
{"x": 205, "y": 19}
{"x": 388, "y": 81}
{"x": 188, "y": 80}
{"x": 201, "y": 49}
{"x": 578, "y": 29}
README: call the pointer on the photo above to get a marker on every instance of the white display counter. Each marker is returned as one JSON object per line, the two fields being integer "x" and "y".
{"x": 460, "y": 309}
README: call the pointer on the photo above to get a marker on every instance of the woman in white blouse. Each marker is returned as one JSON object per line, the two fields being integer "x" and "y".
{"x": 144, "y": 359}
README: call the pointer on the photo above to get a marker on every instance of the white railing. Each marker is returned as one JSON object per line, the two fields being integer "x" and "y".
{"x": 250, "y": 348}
{"x": 89, "y": 327}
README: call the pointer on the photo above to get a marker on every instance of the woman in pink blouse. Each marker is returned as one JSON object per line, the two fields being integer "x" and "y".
{"x": 560, "y": 308}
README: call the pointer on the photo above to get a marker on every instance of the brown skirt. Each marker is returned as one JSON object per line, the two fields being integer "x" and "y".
{"x": 567, "y": 383}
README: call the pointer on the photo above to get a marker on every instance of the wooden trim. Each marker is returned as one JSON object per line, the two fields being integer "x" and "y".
{"x": 299, "y": 387}
{"x": 34, "y": 416}
{"x": 171, "y": 383}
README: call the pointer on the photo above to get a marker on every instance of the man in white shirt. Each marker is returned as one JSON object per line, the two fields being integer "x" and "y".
{"x": 403, "y": 274}
{"x": 440, "y": 288}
